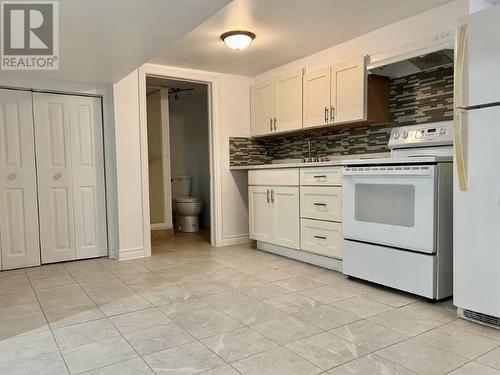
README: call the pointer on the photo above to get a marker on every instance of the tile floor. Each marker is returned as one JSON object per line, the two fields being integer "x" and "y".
{"x": 193, "y": 309}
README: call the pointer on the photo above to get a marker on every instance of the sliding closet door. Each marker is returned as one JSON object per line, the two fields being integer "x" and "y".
{"x": 68, "y": 139}
{"x": 18, "y": 206}
{"x": 88, "y": 177}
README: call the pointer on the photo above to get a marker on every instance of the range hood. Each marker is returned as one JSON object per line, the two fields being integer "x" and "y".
{"x": 415, "y": 57}
{"x": 415, "y": 64}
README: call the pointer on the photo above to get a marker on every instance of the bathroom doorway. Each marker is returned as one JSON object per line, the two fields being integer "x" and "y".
{"x": 178, "y": 158}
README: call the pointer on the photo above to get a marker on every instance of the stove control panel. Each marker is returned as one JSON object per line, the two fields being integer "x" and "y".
{"x": 423, "y": 135}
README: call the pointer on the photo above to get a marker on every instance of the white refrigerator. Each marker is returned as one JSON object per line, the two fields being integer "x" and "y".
{"x": 477, "y": 159}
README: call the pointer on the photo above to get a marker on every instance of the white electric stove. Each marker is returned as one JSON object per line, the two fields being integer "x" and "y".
{"x": 397, "y": 213}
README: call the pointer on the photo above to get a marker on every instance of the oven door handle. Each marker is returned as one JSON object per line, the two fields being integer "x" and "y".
{"x": 388, "y": 173}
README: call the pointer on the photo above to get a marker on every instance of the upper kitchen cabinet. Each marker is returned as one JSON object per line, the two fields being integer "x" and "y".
{"x": 262, "y": 108}
{"x": 345, "y": 94}
{"x": 277, "y": 105}
{"x": 348, "y": 95}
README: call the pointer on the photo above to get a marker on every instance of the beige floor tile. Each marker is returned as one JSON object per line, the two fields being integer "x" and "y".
{"x": 135, "y": 366}
{"x": 44, "y": 364}
{"x": 423, "y": 358}
{"x": 368, "y": 335}
{"x": 97, "y": 354}
{"x": 14, "y": 283}
{"x": 474, "y": 368}
{"x": 291, "y": 303}
{"x": 179, "y": 309}
{"x": 361, "y": 306}
{"x": 207, "y": 322}
{"x": 192, "y": 358}
{"x": 326, "y": 350}
{"x": 139, "y": 320}
{"x": 19, "y": 298}
{"x": 405, "y": 322}
{"x": 371, "y": 365}
{"x": 391, "y": 297}
{"x": 59, "y": 292}
{"x": 491, "y": 359}
{"x": 278, "y": 361}
{"x": 246, "y": 309}
{"x": 54, "y": 281}
{"x": 17, "y": 348}
{"x": 46, "y": 271}
{"x": 223, "y": 370}
{"x": 158, "y": 338}
{"x": 435, "y": 312}
{"x": 491, "y": 333}
{"x": 297, "y": 284}
{"x": 21, "y": 320}
{"x": 326, "y": 317}
{"x": 327, "y": 294}
{"x": 135, "y": 278}
{"x": 238, "y": 344}
{"x": 84, "y": 333}
{"x": 455, "y": 340}
{"x": 119, "y": 300}
{"x": 286, "y": 329}
{"x": 64, "y": 311}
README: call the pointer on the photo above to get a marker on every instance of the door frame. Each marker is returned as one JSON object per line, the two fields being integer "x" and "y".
{"x": 211, "y": 80}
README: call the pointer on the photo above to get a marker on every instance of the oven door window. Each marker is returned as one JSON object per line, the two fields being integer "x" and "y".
{"x": 389, "y": 204}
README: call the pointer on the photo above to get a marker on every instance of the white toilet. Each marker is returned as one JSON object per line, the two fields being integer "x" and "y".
{"x": 185, "y": 208}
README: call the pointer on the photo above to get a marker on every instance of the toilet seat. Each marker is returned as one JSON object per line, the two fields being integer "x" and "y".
{"x": 187, "y": 200}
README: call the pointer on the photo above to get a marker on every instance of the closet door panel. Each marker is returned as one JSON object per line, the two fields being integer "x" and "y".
{"x": 19, "y": 241}
{"x": 88, "y": 177}
{"x": 55, "y": 180}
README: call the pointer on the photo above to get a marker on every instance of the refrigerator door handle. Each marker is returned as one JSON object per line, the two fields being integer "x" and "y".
{"x": 459, "y": 149}
{"x": 459, "y": 67}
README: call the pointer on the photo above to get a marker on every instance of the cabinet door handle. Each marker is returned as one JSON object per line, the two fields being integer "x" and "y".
{"x": 320, "y": 176}
{"x": 271, "y": 124}
{"x": 268, "y": 199}
{"x": 272, "y": 195}
{"x": 332, "y": 113}
{"x": 320, "y": 204}
{"x": 275, "y": 124}
{"x": 12, "y": 176}
{"x": 326, "y": 115}
{"x": 320, "y": 237}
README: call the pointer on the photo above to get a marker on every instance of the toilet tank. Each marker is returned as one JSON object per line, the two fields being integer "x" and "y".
{"x": 181, "y": 186}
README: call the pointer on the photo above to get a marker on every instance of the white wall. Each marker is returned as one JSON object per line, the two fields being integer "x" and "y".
{"x": 108, "y": 130}
{"x": 189, "y": 150}
{"x": 131, "y": 189}
{"x": 406, "y": 31}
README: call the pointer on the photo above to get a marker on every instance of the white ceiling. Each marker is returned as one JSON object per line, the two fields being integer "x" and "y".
{"x": 286, "y": 30}
{"x": 100, "y": 41}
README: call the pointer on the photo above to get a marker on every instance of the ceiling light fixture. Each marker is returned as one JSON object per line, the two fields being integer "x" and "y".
{"x": 238, "y": 39}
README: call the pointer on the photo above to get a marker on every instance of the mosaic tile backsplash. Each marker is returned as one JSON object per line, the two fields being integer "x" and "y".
{"x": 418, "y": 98}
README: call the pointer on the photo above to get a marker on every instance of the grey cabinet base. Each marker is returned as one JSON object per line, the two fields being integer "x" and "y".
{"x": 317, "y": 260}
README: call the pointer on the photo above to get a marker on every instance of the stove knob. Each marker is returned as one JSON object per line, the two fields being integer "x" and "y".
{"x": 419, "y": 134}
{"x": 395, "y": 136}
{"x": 405, "y": 135}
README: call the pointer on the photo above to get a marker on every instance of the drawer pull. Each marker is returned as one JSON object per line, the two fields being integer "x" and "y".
{"x": 321, "y": 176}
{"x": 320, "y": 204}
{"x": 320, "y": 237}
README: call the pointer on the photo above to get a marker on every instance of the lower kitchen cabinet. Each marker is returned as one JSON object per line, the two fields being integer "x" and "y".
{"x": 321, "y": 237}
{"x": 274, "y": 215}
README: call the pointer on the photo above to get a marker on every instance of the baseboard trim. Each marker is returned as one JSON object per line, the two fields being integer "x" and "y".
{"x": 235, "y": 239}
{"x": 126, "y": 254}
{"x": 317, "y": 260}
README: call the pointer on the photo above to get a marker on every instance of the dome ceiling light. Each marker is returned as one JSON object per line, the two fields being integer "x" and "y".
{"x": 238, "y": 39}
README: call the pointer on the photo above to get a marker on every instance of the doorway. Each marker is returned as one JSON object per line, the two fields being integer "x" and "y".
{"x": 178, "y": 131}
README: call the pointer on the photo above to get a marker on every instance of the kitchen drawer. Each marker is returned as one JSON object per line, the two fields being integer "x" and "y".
{"x": 321, "y": 202}
{"x": 321, "y": 237}
{"x": 274, "y": 177}
{"x": 331, "y": 176}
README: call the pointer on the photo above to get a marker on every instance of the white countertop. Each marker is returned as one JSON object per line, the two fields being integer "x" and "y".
{"x": 352, "y": 160}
